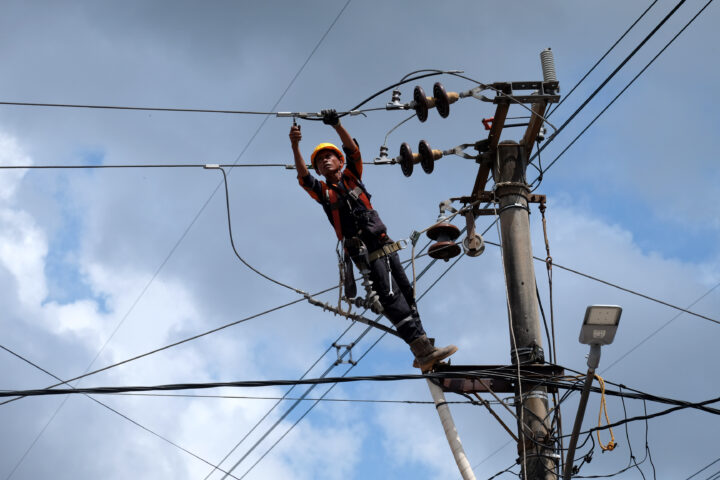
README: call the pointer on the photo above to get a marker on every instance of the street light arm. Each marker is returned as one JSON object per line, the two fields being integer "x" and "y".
{"x": 593, "y": 357}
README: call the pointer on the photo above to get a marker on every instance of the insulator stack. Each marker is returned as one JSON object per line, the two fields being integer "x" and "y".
{"x": 444, "y": 99}
{"x": 426, "y": 158}
{"x": 441, "y": 99}
{"x": 445, "y": 247}
{"x": 547, "y": 61}
{"x": 407, "y": 159}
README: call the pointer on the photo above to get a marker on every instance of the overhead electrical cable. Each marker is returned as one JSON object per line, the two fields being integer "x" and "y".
{"x": 621, "y": 91}
{"x": 610, "y": 77}
{"x": 634, "y": 292}
{"x": 134, "y": 422}
{"x": 656, "y": 331}
{"x": 704, "y": 468}
{"x": 284, "y": 397}
{"x": 312, "y": 115}
{"x": 294, "y": 405}
{"x": 174, "y": 344}
{"x": 500, "y": 373}
{"x": 371, "y": 347}
{"x": 202, "y": 208}
{"x": 567, "y": 95}
{"x": 257, "y": 443}
{"x": 628, "y": 290}
{"x": 305, "y": 399}
{"x": 661, "y": 413}
{"x": 640, "y": 395}
{"x": 430, "y": 264}
{"x": 122, "y": 107}
{"x": 289, "y": 429}
{"x": 232, "y": 241}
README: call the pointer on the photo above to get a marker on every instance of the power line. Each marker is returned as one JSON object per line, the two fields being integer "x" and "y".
{"x": 179, "y": 342}
{"x": 305, "y": 413}
{"x": 609, "y": 77}
{"x": 292, "y": 407}
{"x": 303, "y": 399}
{"x": 658, "y": 330}
{"x": 122, "y": 107}
{"x": 704, "y": 468}
{"x": 640, "y": 395}
{"x": 349, "y": 369}
{"x": 138, "y": 165}
{"x": 495, "y": 372}
{"x": 243, "y": 384}
{"x": 202, "y": 208}
{"x": 622, "y": 91}
{"x": 134, "y": 422}
{"x": 628, "y": 290}
{"x": 565, "y": 97}
{"x": 195, "y": 337}
{"x": 237, "y": 254}
{"x": 652, "y": 415}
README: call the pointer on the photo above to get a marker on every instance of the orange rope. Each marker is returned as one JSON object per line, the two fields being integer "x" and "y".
{"x": 603, "y": 408}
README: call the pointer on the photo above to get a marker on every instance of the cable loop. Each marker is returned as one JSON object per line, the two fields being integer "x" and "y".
{"x": 603, "y": 408}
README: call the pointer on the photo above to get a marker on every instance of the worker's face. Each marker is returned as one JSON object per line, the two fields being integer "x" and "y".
{"x": 327, "y": 162}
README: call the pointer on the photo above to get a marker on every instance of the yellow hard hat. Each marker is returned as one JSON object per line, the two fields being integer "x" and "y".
{"x": 327, "y": 146}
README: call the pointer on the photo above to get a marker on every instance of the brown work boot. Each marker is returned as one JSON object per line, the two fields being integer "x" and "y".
{"x": 427, "y": 355}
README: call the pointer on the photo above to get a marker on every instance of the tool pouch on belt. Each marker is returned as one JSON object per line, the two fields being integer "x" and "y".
{"x": 349, "y": 277}
{"x": 372, "y": 229}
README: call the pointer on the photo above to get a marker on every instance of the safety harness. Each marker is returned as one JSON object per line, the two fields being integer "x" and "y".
{"x": 335, "y": 198}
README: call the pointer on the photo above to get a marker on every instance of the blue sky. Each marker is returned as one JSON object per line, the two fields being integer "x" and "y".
{"x": 100, "y": 266}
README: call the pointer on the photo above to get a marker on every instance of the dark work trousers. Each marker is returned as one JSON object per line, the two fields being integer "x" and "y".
{"x": 399, "y": 306}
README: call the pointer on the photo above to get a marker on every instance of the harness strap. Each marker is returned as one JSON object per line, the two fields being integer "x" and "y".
{"x": 333, "y": 199}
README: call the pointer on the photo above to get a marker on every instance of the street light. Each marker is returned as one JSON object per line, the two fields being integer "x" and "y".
{"x": 599, "y": 327}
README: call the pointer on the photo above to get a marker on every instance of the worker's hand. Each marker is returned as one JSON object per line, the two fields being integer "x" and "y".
{"x": 295, "y": 135}
{"x": 330, "y": 117}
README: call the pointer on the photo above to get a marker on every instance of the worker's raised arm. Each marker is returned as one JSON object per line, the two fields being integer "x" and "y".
{"x": 295, "y": 137}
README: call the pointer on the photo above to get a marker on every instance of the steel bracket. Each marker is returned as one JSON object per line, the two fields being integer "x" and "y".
{"x": 496, "y": 378}
{"x": 348, "y": 350}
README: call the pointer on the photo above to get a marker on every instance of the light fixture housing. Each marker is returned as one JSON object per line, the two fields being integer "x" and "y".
{"x": 600, "y": 324}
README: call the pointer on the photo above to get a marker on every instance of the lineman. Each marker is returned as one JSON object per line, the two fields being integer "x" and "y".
{"x": 347, "y": 205}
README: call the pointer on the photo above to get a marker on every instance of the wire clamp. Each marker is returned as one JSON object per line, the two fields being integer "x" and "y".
{"x": 514, "y": 205}
{"x": 383, "y": 159}
{"x": 459, "y": 151}
{"x": 535, "y": 394}
{"x": 348, "y": 350}
{"x": 299, "y": 114}
{"x": 531, "y": 354}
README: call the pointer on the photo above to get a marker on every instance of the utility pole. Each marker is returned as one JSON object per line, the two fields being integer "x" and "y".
{"x": 535, "y": 446}
{"x": 508, "y": 161}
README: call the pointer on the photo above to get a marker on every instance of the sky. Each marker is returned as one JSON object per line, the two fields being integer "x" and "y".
{"x": 101, "y": 265}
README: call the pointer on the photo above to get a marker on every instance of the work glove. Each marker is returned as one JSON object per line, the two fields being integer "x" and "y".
{"x": 330, "y": 117}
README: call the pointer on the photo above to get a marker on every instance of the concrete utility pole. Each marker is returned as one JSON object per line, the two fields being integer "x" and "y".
{"x": 535, "y": 447}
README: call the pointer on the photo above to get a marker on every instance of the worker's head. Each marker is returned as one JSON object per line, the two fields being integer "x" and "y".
{"x": 327, "y": 158}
